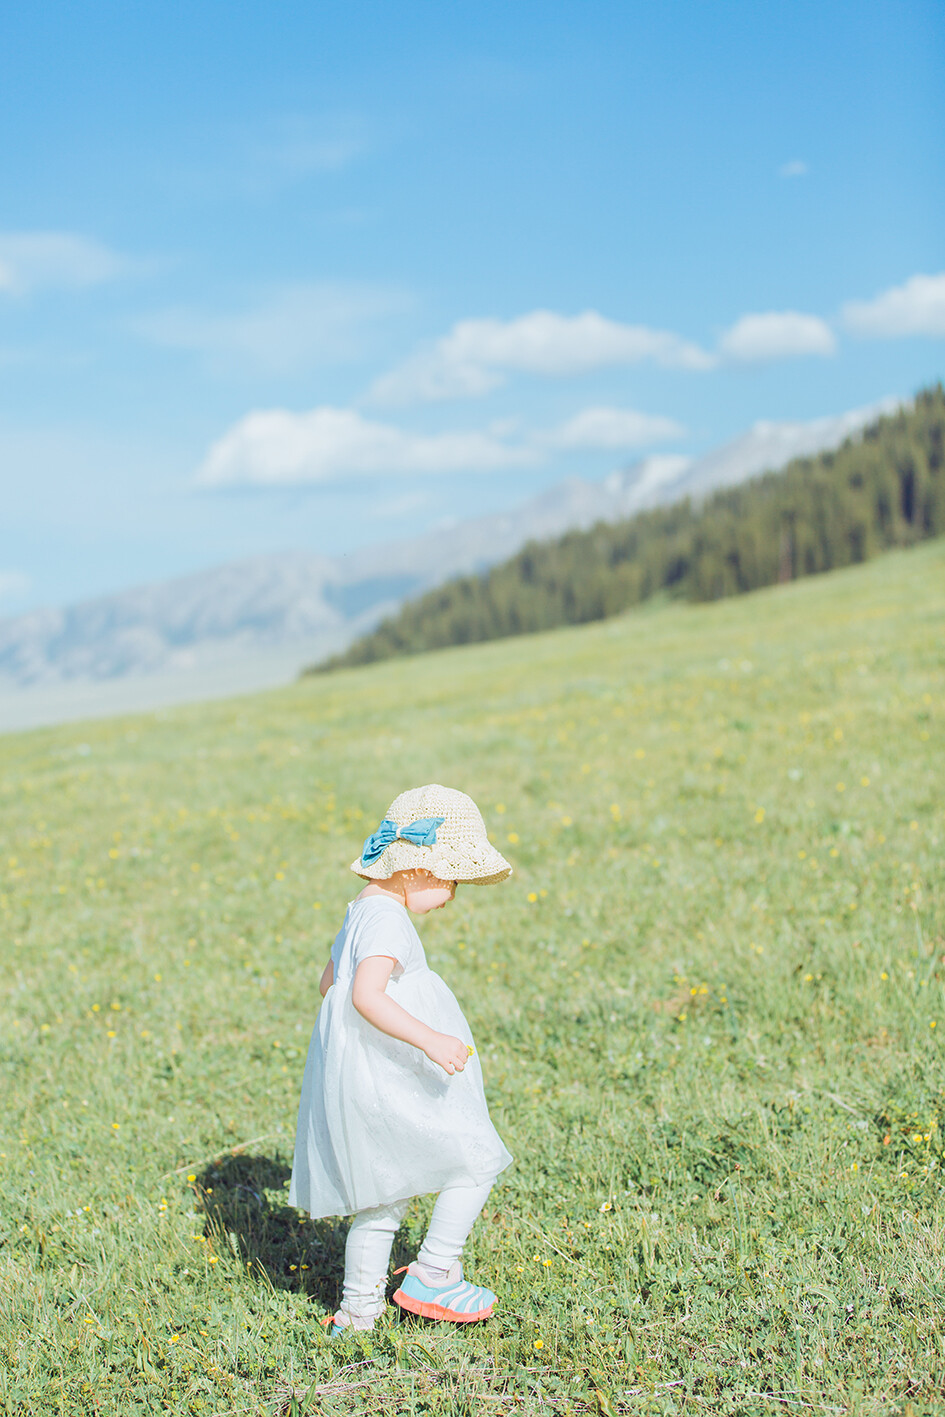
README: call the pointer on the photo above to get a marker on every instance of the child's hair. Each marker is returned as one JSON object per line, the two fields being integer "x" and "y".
{"x": 437, "y": 829}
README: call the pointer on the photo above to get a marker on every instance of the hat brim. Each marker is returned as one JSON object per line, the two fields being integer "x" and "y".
{"x": 472, "y": 864}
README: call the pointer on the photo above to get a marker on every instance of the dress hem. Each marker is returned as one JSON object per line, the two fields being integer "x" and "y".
{"x": 465, "y": 1184}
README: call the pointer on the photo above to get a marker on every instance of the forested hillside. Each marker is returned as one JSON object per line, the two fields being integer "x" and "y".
{"x": 883, "y": 489}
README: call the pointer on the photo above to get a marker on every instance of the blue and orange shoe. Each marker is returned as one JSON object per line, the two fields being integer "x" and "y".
{"x": 452, "y": 1300}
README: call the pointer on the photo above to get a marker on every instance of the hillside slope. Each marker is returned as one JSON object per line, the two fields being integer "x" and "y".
{"x": 252, "y": 623}
{"x": 882, "y": 489}
{"x": 709, "y": 1006}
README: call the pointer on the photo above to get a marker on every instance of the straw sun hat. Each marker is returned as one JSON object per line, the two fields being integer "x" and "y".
{"x": 438, "y": 829}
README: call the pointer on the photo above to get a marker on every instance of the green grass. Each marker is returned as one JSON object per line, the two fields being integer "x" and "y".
{"x": 709, "y": 1006}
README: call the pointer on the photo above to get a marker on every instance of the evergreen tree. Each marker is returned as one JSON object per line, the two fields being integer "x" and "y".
{"x": 882, "y": 489}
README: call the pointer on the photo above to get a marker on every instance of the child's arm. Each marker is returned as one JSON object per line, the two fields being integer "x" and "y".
{"x": 327, "y": 979}
{"x": 371, "y": 1002}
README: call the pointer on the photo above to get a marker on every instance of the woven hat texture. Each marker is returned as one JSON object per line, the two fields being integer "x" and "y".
{"x": 462, "y": 851}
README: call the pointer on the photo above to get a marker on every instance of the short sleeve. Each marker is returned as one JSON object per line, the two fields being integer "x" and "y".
{"x": 384, "y": 933}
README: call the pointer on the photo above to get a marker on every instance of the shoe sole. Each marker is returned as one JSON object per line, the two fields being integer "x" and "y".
{"x": 437, "y": 1311}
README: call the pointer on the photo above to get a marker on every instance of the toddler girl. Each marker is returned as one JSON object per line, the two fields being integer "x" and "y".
{"x": 392, "y": 1100}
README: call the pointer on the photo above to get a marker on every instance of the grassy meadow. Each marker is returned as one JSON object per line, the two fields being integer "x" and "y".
{"x": 709, "y": 1006}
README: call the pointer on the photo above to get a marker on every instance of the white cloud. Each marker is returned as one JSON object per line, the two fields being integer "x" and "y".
{"x": 276, "y": 448}
{"x": 297, "y": 325}
{"x": 36, "y": 260}
{"x": 777, "y": 334}
{"x": 795, "y": 168}
{"x": 916, "y": 308}
{"x": 612, "y": 428}
{"x": 476, "y": 355}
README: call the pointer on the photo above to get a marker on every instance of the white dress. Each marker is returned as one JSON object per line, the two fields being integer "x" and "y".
{"x": 378, "y": 1122}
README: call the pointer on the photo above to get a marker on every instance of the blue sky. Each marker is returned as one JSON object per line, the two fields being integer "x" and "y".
{"x": 316, "y": 275}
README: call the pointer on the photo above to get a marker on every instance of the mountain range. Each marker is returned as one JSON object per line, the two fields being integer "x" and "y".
{"x": 254, "y": 622}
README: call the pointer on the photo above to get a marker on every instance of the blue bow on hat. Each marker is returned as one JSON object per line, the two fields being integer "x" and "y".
{"x": 421, "y": 833}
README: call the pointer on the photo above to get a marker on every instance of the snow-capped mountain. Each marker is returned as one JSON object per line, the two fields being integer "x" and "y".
{"x": 257, "y": 621}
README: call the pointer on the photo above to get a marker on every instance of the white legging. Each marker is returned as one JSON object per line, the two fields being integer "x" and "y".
{"x": 367, "y": 1252}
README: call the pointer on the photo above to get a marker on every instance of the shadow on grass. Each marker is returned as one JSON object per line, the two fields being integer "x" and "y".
{"x": 243, "y": 1200}
{"x": 244, "y": 1205}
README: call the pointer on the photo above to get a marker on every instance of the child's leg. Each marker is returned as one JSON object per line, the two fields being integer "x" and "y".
{"x": 434, "y": 1286}
{"x": 367, "y": 1256}
{"x": 454, "y": 1215}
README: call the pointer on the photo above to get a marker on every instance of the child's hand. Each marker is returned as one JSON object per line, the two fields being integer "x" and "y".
{"x": 452, "y": 1054}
